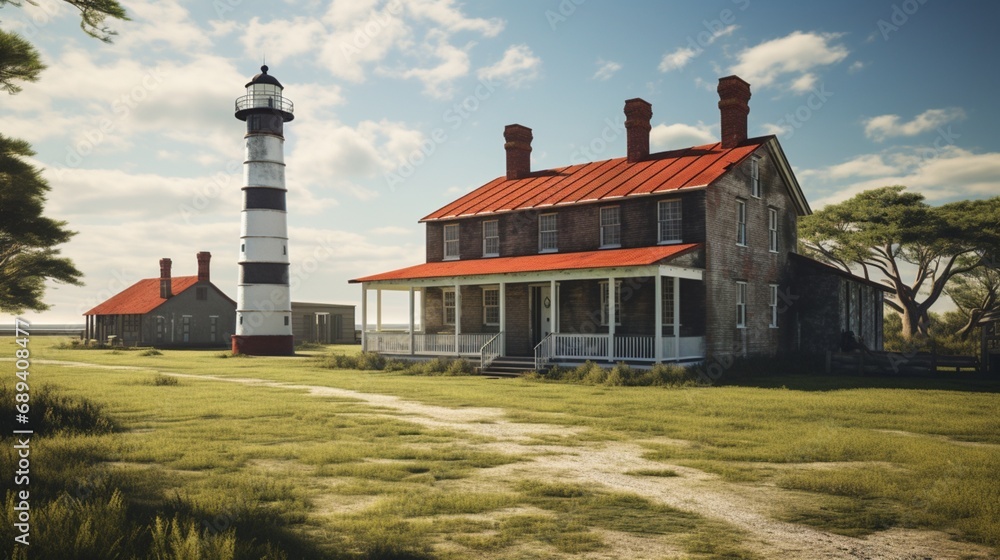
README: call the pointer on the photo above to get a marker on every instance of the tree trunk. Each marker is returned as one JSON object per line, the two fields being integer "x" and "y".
{"x": 915, "y": 323}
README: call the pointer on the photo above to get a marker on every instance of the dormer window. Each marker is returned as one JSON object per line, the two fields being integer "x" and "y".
{"x": 451, "y": 241}
{"x": 611, "y": 227}
{"x": 491, "y": 238}
{"x": 755, "y": 176}
{"x": 548, "y": 234}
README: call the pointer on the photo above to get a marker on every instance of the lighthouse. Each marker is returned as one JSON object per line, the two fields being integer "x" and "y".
{"x": 263, "y": 303}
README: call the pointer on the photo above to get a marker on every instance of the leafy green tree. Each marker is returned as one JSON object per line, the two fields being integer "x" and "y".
{"x": 889, "y": 233}
{"x": 27, "y": 239}
{"x": 977, "y": 295}
{"x": 28, "y": 256}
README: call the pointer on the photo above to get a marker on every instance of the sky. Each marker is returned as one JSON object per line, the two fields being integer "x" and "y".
{"x": 400, "y": 107}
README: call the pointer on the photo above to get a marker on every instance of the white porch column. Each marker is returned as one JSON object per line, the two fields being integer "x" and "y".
{"x": 503, "y": 316}
{"x": 554, "y": 312}
{"x": 412, "y": 321}
{"x": 364, "y": 317}
{"x": 458, "y": 318}
{"x": 378, "y": 309}
{"x": 611, "y": 319}
{"x": 677, "y": 316}
{"x": 658, "y": 317}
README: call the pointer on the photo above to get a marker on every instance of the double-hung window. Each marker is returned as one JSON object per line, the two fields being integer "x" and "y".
{"x": 548, "y": 234}
{"x": 491, "y": 238}
{"x": 668, "y": 305}
{"x": 604, "y": 302}
{"x": 755, "y": 176}
{"x": 773, "y": 304}
{"x": 741, "y": 222}
{"x": 491, "y": 306}
{"x": 668, "y": 218}
{"x": 448, "y": 301}
{"x": 611, "y": 226}
{"x": 451, "y": 241}
{"x": 772, "y": 230}
{"x": 741, "y": 305}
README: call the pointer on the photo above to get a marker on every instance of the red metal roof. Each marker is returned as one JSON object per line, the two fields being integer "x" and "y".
{"x": 141, "y": 297}
{"x": 607, "y": 258}
{"x": 697, "y": 166}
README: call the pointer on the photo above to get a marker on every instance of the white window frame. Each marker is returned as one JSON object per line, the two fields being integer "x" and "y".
{"x": 773, "y": 304}
{"x": 548, "y": 244}
{"x": 667, "y": 305}
{"x": 741, "y": 305}
{"x": 755, "y": 176}
{"x": 186, "y": 328}
{"x": 610, "y": 218}
{"x": 669, "y": 221}
{"x": 741, "y": 222}
{"x": 772, "y": 230}
{"x": 451, "y": 246}
{"x": 604, "y": 302}
{"x": 491, "y": 239}
{"x": 494, "y": 307}
{"x": 445, "y": 306}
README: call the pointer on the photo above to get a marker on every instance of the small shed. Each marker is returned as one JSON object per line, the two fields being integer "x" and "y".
{"x": 323, "y": 323}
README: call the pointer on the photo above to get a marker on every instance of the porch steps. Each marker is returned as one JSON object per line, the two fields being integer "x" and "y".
{"x": 509, "y": 366}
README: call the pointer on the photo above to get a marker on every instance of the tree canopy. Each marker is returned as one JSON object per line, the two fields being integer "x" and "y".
{"x": 912, "y": 247}
{"x": 28, "y": 256}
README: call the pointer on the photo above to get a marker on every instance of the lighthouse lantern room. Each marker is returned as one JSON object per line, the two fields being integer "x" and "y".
{"x": 263, "y": 302}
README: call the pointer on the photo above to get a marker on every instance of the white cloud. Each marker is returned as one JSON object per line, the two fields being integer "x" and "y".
{"x": 518, "y": 66}
{"x": 677, "y": 59}
{"x": 680, "y": 57}
{"x": 856, "y": 66}
{"x": 680, "y": 135}
{"x": 940, "y": 174}
{"x": 776, "y": 129}
{"x": 280, "y": 40}
{"x": 804, "y": 83}
{"x": 884, "y": 126}
{"x": 606, "y": 69}
{"x": 453, "y": 64}
{"x": 796, "y": 54}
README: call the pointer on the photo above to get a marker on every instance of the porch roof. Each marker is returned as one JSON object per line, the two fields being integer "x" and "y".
{"x": 607, "y": 258}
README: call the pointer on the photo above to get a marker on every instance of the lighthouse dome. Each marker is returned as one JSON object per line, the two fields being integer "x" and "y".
{"x": 264, "y": 78}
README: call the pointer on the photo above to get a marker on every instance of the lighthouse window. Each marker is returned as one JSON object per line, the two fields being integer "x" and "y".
{"x": 284, "y": 250}
{"x": 286, "y": 321}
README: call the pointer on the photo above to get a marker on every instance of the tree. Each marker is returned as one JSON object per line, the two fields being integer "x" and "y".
{"x": 977, "y": 295}
{"x": 28, "y": 256}
{"x": 889, "y": 231}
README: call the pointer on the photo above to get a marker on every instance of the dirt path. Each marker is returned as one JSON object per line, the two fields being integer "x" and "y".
{"x": 605, "y": 464}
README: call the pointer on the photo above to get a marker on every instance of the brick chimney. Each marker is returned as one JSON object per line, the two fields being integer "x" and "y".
{"x": 638, "y": 112}
{"x": 204, "y": 258}
{"x": 734, "y": 105}
{"x": 518, "y": 146}
{"x": 165, "y": 288}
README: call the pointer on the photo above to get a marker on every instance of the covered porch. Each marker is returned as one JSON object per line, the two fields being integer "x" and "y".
{"x": 551, "y": 316}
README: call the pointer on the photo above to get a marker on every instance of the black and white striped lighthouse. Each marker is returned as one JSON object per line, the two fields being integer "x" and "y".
{"x": 263, "y": 303}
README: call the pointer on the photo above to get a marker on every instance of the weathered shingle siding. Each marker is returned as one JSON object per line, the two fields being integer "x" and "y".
{"x": 727, "y": 263}
{"x": 578, "y": 227}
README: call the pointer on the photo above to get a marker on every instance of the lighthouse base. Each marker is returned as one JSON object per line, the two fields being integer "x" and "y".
{"x": 279, "y": 345}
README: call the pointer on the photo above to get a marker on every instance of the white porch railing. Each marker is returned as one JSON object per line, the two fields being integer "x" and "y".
{"x": 490, "y": 351}
{"x": 595, "y": 347}
{"x": 426, "y": 343}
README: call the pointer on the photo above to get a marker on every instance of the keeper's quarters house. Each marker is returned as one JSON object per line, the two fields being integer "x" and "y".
{"x": 175, "y": 311}
{"x": 674, "y": 256}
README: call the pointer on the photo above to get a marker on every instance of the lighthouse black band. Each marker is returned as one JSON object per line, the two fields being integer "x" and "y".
{"x": 263, "y": 198}
{"x": 267, "y": 122}
{"x": 264, "y": 273}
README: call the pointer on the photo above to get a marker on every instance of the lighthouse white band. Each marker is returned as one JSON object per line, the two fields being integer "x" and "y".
{"x": 263, "y": 249}
{"x": 264, "y": 223}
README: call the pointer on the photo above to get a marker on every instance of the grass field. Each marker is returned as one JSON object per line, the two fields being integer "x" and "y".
{"x": 191, "y": 454}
